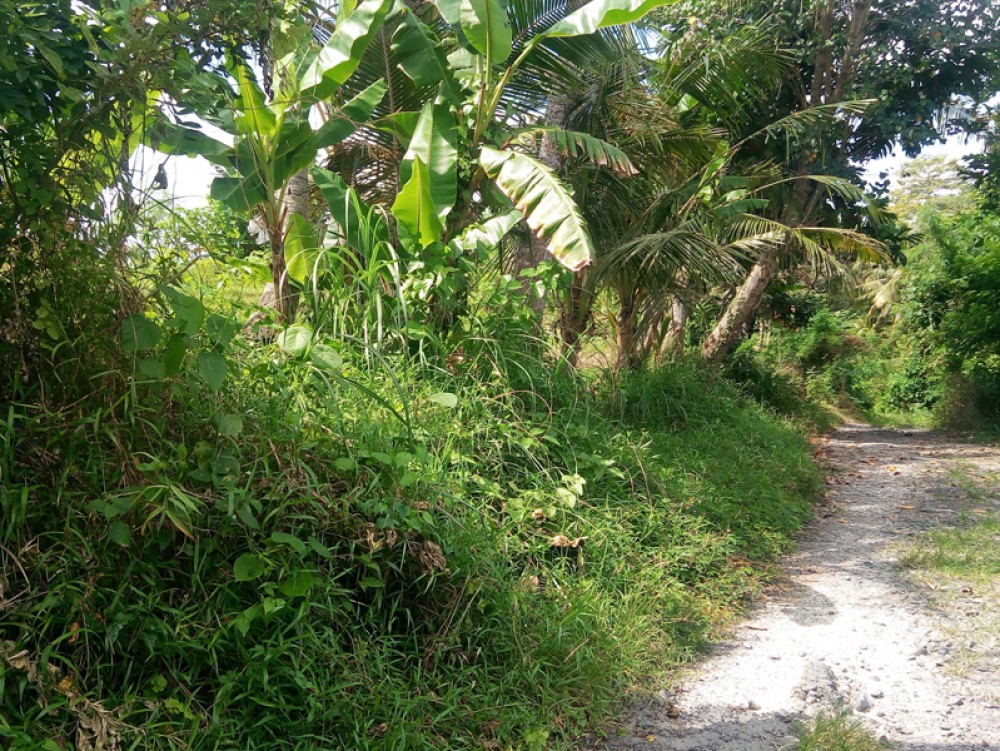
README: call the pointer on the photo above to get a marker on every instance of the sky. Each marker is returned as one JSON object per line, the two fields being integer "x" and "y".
{"x": 954, "y": 146}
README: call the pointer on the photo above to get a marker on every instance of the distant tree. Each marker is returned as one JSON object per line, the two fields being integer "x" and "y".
{"x": 934, "y": 182}
{"x": 919, "y": 63}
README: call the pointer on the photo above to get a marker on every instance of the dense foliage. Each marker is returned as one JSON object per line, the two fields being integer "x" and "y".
{"x": 474, "y": 397}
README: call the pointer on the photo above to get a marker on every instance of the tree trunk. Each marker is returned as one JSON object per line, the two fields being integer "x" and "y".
{"x": 537, "y": 250}
{"x": 652, "y": 332}
{"x": 628, "y": 358}
{"x": 730, "y": 328}
{"x": 575, "y": 316}
{"x": 672, "y": 345}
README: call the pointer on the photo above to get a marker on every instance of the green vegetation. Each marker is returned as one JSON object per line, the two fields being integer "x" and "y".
{"x": 838, "y": 731}
{"x": 967, "y": 550}
{"x": 327, "y": 463}
{"x": 381, "y": 557}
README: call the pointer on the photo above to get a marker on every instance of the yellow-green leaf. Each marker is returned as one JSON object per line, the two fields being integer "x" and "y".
{"x": 545, "y": 202}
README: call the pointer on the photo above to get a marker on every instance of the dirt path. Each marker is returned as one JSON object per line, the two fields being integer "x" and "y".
{"x": 848, "y": 627}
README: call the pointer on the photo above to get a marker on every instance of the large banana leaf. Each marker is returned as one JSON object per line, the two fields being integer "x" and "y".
{"x": 486, "y": 234}
{"x": 434, "y": 144}
{"x": 340, "y": 56}
{"x": 301, "y": 248}
{"x": 239, "y": 194}
{"x": 545, "y": 202}
{"x": 600, "y": 14}
{"x": 484, "y": 24}
{"x": 418, "y": 54}
{"x": 171, "y": 138}
{"x": 414, "y": 207}
{"x": 358, "y": 110}
{"x": 251, "y": 104}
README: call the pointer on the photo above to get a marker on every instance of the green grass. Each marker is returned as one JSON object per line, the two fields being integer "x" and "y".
{"x": 838, "y": 731}
{"x": 357, "y": 564}
{"x": 970, "y": 549}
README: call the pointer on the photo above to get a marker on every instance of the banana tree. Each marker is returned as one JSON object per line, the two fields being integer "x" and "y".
{"x": 265, "y": 143}
{"x": 473, "y": 59}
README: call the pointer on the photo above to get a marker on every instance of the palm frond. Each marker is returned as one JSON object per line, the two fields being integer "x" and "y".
{"x": 576, "y": 145}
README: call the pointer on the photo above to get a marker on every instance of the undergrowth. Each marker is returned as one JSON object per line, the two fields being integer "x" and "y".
{"x": 337, "y": 550}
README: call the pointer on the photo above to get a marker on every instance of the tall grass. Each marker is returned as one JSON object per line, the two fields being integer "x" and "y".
{"x": 403, "y": 553}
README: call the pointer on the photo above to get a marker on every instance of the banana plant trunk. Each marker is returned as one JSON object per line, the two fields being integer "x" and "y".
{"x": 732, "y": 326}
{"x": 294, "y": 201}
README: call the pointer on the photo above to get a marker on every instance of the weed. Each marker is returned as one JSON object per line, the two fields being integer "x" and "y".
{"x": 838, "y": 731}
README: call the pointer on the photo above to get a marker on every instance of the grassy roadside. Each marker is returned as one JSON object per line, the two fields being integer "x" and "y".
{"x": 407, "y": 558}
{"x": 959, "y": 566}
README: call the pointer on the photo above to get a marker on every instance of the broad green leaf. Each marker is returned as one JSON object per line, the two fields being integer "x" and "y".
{"x": 239, "y": 194}
{"x": 221, "y": 329}
{"x": 419, "y": 55}
{"x": 414, "y": 206}
{"x": 297, "y": 585}
{"x": 173, "y": 354}
{"x": 487, "y": 234}
{"x": 153, "y": 367}
{"x": 248, "y": 567}
{"x": 600, "y": 14}
{"x": 445, "y": 399}
{"x": 230, "y": 425}
{"x": 354, "y": 112}
{"x": 360, "y": 224}
{"x": 325, "y": 357}
{"x": 295, "y": 340}
{"x": 138, "y": 333}
{"x": 399, "y": 125}
{"x": 434, "y": 144}
{"x": 178, "y": 139}
{"x": 484, "y": 23}
{"x": 255, "y": 116}
{"x": 345, "y": 464}
{"x": 120, "y": 533}
{"x": 293, "y": 150}
{"x": 341, "y": 55}
{"x": 545, "y": 202}
{"x": 188, "y": 310}
{"x": 283, "y": 538}
{"x": 300, "y": 248}
{"x": 213, "y": 368}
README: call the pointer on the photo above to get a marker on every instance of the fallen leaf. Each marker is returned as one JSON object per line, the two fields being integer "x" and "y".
{"x": 562, "y": 541}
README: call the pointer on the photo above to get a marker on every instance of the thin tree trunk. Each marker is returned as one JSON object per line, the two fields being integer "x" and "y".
{"x": 627, "y": 318}
{"x": 575, "y": 316}
{"x": 537, "y": 250}
{"x": 730, "y": 328}
{"x": 652, "y": 334}
{"x": 672, "y": 345}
